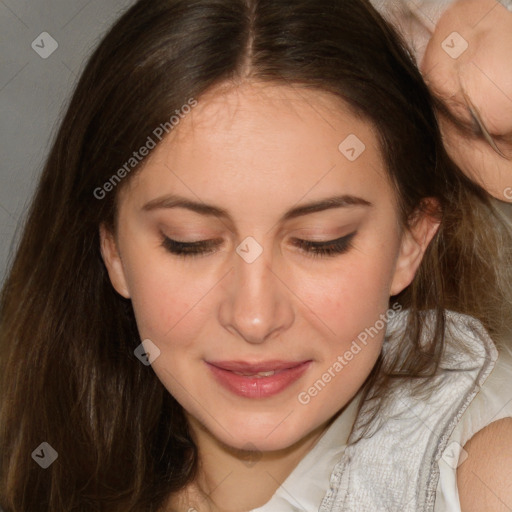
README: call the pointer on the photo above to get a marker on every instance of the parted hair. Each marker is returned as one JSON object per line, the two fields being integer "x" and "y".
{"x": 68, "y": 373}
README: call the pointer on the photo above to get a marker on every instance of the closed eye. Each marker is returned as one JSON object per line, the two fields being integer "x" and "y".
{"x": 330, "y": 248}
{"x": 313, "y": 249}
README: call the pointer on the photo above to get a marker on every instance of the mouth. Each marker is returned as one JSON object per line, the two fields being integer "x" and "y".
{"x": 258, "y": 380}
{"x": 244, "y": 368}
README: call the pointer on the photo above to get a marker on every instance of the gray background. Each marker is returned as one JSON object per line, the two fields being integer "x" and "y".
{"x": 34, "y": 92}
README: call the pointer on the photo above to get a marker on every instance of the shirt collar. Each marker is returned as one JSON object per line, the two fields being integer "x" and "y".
{"x": 315, "y": 468}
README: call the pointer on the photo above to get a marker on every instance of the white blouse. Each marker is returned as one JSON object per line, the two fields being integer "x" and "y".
{"x": 409, "y": 464}
{"x": 306, "y": 486}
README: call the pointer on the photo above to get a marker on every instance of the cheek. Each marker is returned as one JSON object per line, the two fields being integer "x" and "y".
{"x": 164, "y": 300}
{"x": 349, "y": 307}
{"x": 352, "y": 291}
{"x": 354, "y": 307}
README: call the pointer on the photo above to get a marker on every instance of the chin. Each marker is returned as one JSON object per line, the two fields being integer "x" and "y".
{"x": 273, "y": 436}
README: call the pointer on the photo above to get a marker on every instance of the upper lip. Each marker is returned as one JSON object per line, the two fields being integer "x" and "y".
{"x": 265, "y": 366}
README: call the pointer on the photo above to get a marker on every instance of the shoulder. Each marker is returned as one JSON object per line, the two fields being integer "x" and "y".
{"x": 484, "y": 479}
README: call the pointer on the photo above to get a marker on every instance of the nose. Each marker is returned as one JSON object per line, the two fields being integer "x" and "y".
{"x": 257, "y": 303}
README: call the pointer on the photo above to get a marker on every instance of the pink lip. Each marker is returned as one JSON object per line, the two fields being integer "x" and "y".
{"x": 265, "y": 366}
{"x": 287, "y": 372}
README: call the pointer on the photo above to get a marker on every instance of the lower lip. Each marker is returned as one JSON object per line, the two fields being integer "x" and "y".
{"x": 258, "y": 387}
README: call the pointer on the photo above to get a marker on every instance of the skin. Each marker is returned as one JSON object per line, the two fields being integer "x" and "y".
{"x": 257, "y": 151}
{"x": 484, "y": 73}
{"x": 484, "y": 479}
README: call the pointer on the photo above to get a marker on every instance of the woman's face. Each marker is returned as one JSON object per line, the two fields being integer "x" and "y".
{"x": 250, "y": 160}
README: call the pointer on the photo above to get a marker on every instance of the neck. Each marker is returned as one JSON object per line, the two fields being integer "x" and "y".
{"x": 232, "y": 480}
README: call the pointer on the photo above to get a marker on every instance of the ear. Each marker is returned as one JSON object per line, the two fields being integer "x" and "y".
{"x": 415, "y": 240}
{"x": 112, "y": 259}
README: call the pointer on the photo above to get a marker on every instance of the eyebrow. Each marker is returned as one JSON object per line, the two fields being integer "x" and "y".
{"x": 176, "y": 201}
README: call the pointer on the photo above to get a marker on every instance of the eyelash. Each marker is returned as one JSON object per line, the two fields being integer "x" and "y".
{"x": 312, "y": 249}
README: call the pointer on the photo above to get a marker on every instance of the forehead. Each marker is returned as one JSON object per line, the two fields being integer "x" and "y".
{"x": 264, "y": 143}
{"x": 259, "y": 108}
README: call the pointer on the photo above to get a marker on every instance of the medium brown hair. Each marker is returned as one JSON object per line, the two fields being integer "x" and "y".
{"x": 69, "y": 376}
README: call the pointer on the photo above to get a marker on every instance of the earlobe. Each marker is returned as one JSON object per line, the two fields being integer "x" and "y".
{"x": 415, "y": 241}
{"x": 112, "y": 260}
